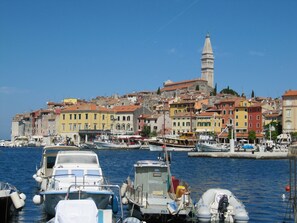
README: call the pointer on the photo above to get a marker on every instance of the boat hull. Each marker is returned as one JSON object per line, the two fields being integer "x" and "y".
{"x": 52, "y": 198}
{"x": 6, "y": 208}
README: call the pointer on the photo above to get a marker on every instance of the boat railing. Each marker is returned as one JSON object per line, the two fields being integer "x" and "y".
{"x": 109, "y": 186}
{"x": 97, "y": 181}
{"x": 138, "y": 195}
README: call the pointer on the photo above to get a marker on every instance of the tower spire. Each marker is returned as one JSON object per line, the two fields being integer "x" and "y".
{"x": 207, "y": 62}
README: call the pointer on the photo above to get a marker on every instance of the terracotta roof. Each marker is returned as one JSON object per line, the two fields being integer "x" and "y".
{"x": 125, "y": 108}
{"x": 290, "y": 93}
{"x": 81, "y": 107}
{"x": 176, "y": 87}
{"x": 198, "y": 104}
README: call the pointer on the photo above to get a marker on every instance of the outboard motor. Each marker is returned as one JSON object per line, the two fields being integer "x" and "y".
{"x": 222, "y": 208}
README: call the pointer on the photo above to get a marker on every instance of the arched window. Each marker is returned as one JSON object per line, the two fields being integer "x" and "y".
{"x": 118, "y": 127}
{"x": 128, "y": 127}
{"x": 124, "y": 118}
{"x": 123, "y": 127}
{"x": 128, "y": 118}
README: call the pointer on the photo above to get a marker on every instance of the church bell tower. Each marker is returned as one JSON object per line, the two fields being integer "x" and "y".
{"x": 207, "y": 62}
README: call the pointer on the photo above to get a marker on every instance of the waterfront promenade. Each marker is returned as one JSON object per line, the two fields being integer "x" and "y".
{"x": 241, "y": 155}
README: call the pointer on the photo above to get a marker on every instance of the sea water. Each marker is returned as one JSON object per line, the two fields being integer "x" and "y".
{"x": 259, "y": 184}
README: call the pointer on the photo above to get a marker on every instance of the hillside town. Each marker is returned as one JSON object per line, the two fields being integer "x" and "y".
{"x": 187, "y": 106}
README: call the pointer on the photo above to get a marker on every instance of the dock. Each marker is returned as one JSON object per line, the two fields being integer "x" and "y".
{"x": 240, "y": 155}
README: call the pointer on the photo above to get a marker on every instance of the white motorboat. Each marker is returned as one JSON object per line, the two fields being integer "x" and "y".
{"x": 121, "y": 142}
{"x": 81, "y": 172}
{"x": 220, "y": 205}
{"x": 160, "y": 148}
{"x": 48, "y": 159}
{"x": 211, "y": 146}
{"x": 11, "y": 200}
{"x": 154, "y": 195}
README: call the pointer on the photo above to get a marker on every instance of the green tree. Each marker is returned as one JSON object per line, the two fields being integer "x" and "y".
{"x": 253, "y": 94}
{"x": 252, "y": 135}
{"x": 159, "y": 91}
{"x": 275, "y": 129}
{"x": 146, "y": 131}
{"x": 215, "y": 90}
{"x": 229, "y": 91}
{"x": 197, "y": 87}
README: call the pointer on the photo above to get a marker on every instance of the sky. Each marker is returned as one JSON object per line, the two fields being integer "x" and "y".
{"x": 56, "y": 49}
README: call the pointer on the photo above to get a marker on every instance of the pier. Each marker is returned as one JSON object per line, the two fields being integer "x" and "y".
{"x": 240, "y": 155}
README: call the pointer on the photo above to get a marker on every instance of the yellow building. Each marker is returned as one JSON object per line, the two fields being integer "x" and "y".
{"x": 241, "y": 115}
{"x": 182, "y": 122}
{"x": 81, "y": 120}
{"x": 208, "y": 122}
{"x": 181, "y": 106}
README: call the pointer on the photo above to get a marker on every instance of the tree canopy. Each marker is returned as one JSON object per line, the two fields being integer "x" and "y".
{"x": 229, "y": 91}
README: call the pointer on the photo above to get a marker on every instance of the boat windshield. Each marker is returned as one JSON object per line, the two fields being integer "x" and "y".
{"x": 72, "y": 159}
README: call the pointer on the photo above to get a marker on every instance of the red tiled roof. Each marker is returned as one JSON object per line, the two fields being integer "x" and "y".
{"x": 290, "y": 93}
{"x": 125, "y": 108}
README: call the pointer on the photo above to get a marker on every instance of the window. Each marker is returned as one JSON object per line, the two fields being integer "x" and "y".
{"x": 174, "y": 123}
{"x": 70, "y": 116}
{"x": 258, "y": 117}
{"x": 236, "y": 117}
{"x": 245, "y": 116}
{"x": 95, "y": 116}
{"x": 236, "y": 123}
{"x": 86, "y": 125}
{"x": 70, "y": 127}
{"x": 74, "y": 116}
{"x": 63, "y": 116}
{"x": 103, "y": 117}
{"x": 124, "y": 118}
{"x": 288, "y": 113}
{"x": 74, "y": 127}
{"x": 128, "y": 118}
{"x": 79, "y": 116}
{"x": 95, "y": 126}
{"x": 258, "y": 125}
{"x": 87, "y": 116}
{"x": 245, "y": 124}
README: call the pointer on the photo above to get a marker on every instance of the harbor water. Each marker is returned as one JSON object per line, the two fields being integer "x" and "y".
{"x": 259, "y": 184}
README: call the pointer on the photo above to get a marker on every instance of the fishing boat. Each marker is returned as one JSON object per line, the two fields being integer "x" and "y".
{"x": 184, "y": 142}
{"x": 48, "y": 159}
{"x": 154, "y": 195}
{"x": 11, "y": 201}
{"x": 211, "y": 146}
{"x": 220, "y": 205}
{"x": 207, "y": 143}
{"x": 122, "y": 142}
{"x": 81, "y": 172}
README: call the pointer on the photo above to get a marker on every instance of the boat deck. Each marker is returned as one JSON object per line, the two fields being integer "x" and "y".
{"x": 241, "y": 155}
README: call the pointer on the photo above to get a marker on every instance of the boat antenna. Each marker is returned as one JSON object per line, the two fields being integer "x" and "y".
{"x": 166, "y": 152}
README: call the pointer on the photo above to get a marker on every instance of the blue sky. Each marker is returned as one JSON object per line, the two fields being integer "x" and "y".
{"x": 54, "y": 49}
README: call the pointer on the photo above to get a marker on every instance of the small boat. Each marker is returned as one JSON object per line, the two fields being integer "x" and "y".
{"x": 85, "y": 210}
{"x": 156, "y": 196}
{"x": 184, "y": 142}
{"x": 169, "y": 148}
{"x": 11, "y": 201}
{"x": 48, "y": 159}
{"x": 220, "y": 205}
{"x": 211, "y": 146}
{"x": 122, "y": 142}
{"x": 81, "y": 172}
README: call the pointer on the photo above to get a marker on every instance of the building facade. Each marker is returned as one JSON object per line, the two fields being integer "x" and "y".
{"x": 290, "y": 111}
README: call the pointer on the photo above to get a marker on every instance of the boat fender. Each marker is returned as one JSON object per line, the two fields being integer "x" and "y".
{"x": 37, "y": 199}
{"x": 124, "y": 189}
{"x": 38, "y": 179}
{"x": 131, "y": 220}
{"x": 16, "y": 200}
{"x": 34, "y": 176}
{"x": 124, "y": 200}
{"x": 23, "y": 196}
{"x": 115, "y": 204}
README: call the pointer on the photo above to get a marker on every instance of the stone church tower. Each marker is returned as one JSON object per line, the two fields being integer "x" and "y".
{"x": 207, "y": 62}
